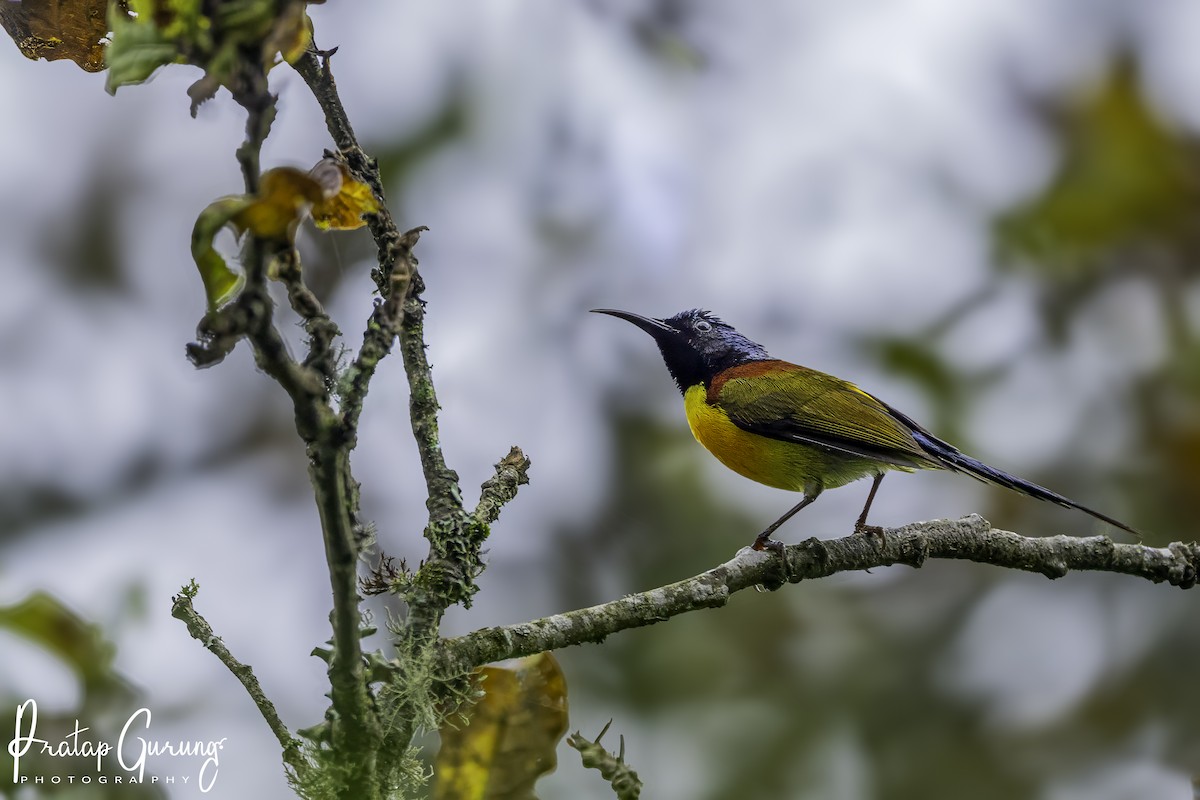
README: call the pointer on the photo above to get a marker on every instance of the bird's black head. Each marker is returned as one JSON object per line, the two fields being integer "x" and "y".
{"x": 695, "y": 344}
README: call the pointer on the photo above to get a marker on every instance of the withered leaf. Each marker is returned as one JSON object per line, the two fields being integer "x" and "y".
{"x": 284, "y": 197}
{"x": 57, "y": 29}
{"x": 510, "y": 737}
{"x": 345, "y": 200}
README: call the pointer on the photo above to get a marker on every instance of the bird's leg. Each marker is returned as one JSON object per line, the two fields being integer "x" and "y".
{"x": 764, "y": 540}
{"x": 860, "y": 525}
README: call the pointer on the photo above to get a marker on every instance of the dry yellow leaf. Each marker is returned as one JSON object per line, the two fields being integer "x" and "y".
{"x": 284, "y": 194}
{"x": 510, "y": 738}
{"x": 344, "y": 207}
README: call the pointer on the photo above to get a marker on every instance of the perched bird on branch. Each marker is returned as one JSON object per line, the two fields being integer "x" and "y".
{"x": 798, "y": 429}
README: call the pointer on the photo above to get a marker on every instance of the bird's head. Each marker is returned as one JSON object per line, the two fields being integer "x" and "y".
{"x": 695, "y": 344}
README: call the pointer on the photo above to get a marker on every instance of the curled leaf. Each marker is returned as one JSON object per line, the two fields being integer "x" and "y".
{"x": 284, "y": 197}
{"x": 221, "y": 283}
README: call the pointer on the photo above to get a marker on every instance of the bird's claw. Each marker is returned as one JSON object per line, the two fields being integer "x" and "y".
{"x": 765, "y": 542}
{"x": 863, "y": 529}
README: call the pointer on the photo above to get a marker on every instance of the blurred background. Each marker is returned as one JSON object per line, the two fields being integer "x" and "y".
{"x": 985, "y": 213}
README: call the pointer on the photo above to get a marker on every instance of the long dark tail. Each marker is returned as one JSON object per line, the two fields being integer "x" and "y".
{"x": 952, "y": 458}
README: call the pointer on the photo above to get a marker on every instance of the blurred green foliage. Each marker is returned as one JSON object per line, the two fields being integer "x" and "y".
{"x": 1123, "y": 201}
{"x": 105, "y": 701}
{"x": 1125, "y": 177}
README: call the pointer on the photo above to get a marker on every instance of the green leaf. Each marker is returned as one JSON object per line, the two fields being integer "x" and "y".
{"x": 224, "y": 39}
{"x": 221, "y": 284}
{"x": 1126, "y": 176}
{"x": 46, "y": 622}
{"x": 138, "y": 47}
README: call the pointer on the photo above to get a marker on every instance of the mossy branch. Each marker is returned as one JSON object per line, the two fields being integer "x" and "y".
{"x": 971, "y": 538}
{"x": 512, "y": 472}
{"x": 626, "y": 784}
{"x": 447, "y": 576}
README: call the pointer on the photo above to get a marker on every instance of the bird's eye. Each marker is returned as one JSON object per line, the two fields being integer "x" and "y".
{"x": 703, "y": 326}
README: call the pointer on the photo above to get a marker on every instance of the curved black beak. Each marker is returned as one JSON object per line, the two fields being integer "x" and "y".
{"x": 655, "y": 327}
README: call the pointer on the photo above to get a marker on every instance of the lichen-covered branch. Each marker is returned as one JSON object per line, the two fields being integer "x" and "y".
{"x": 447, "y": 576}
{"x": 183, "y": 609}
{"x": 971, "y": 538}
{"x": 624, "y": 780}
{"x": 394, "y": 249}
{"x": 444, "y": 496}
{"x": 512, "y": 471}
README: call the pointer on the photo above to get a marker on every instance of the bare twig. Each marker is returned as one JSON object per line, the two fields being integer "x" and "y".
{"x": 183, "y": 609}
{"x": 383, "y": 326}
{"x": 259, "y": 103}
{"x": 322, "y": 330}
{"x": 971, "y": 538}
{"x": 313, "y": 67}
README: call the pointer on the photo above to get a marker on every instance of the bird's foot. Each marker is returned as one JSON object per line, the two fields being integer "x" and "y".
{"x": 863, "y": 529}
{"x": 765, "y": 542}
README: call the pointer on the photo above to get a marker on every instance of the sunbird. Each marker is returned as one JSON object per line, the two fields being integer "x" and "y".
{"x": 798, "y": 429}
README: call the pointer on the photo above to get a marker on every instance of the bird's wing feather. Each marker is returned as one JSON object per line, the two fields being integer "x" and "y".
{"x": 786, "y": 401}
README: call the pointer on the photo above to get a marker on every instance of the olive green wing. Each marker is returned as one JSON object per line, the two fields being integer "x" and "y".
{"x": 793, "y": 403}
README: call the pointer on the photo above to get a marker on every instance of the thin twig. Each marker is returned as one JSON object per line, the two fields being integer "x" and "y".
{"x": 322, "y": 330}
{"x": 971, "y": 538}
{"x": 259, "y": 103}
{"x": 183, "y": 609}
{"x": 382, "y": 328}
{"x": 305, "y": 386}
{"x": 313, "y": 68}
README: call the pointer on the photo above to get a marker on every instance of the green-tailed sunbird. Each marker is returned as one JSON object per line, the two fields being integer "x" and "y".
{"x": 798, "y": 429}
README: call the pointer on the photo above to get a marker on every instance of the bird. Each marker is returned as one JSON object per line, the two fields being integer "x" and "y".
{"x": 794, "y": 428}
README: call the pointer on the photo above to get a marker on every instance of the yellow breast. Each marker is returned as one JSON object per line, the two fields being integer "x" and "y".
{"x": 784, "y": 465}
